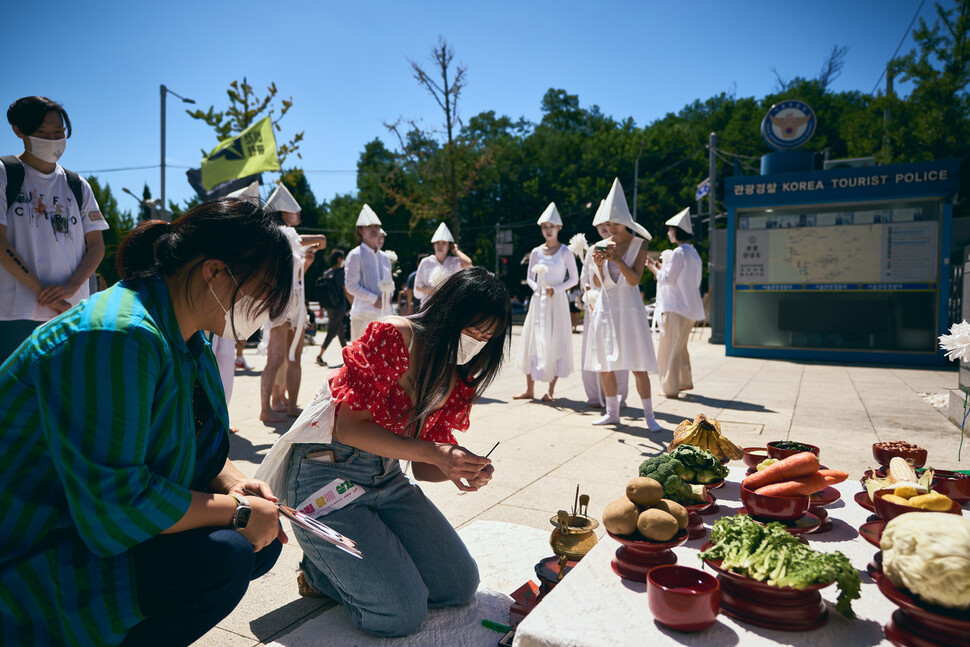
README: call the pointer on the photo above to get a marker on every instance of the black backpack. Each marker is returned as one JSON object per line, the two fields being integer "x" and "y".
{"x": 15, "y": 181}
{"x": 327, "y": 290}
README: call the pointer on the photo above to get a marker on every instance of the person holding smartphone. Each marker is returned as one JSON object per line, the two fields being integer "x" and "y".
{"x": 446, "y": 260}
{"x": 619, "y": 333}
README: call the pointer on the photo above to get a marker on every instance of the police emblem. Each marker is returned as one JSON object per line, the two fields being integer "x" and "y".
{"x": 788, "y": 125}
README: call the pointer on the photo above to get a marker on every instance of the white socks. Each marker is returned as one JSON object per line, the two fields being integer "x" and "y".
{"x": 652, "y": 424}
{"x": 612, "y": 415}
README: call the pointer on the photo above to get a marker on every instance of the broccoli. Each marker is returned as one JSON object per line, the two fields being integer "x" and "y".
{"x": 668, "y": 472}
{"x": 700, "y": 465}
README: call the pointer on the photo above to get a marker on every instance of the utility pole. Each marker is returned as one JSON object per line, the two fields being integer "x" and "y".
{"x": 636, "y": 179}
{"x": 165, "y": 91}
{"x": 711, "y": 190}
{"x": 885, "y": 113}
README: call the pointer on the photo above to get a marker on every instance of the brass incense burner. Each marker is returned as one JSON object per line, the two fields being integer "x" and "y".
{"x": 576, "y": 538}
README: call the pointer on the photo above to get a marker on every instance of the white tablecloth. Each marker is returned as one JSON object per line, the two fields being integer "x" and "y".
{"x": 593, "y": 607}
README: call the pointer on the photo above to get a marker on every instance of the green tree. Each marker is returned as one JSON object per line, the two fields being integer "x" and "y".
{"x": 120, "y": 223}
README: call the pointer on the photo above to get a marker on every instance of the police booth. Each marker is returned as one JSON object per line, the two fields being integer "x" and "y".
{"x": 849, "y": 264}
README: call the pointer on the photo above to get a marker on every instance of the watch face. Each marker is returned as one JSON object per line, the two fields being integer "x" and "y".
{"x": 241, "y": 518}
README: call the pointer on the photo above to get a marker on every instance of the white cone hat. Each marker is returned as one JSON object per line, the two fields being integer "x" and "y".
{"x": 682, "y": 220}
{"x": 282, "y": 200}
{"x": 598, "y": 219}
{"x": 442, "y": 234}
{"x": 551, "y": 214}
{"x": 616, "y": 210}
{"x": 367, "y": 217}
{"x": 250, "y": 192}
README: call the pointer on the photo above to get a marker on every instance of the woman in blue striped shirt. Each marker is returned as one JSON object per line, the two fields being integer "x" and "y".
{"x": 122, "y": 521}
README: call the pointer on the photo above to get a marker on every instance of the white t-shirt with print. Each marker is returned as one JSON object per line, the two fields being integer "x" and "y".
{"x": 47, "y": 229}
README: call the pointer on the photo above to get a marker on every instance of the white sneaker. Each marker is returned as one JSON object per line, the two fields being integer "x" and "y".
{"x": 243, "y": 364}
{"x": 653, "y": 425}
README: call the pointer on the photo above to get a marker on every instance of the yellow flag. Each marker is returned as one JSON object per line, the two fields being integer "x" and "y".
{"x": 251, "y": 151}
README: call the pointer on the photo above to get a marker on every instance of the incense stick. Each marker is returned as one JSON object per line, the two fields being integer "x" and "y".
{"x": 492, "y": 449}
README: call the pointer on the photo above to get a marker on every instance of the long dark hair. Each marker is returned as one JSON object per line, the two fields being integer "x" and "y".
{"x": 471, "y": 297}
{"x": 238, "y": 232}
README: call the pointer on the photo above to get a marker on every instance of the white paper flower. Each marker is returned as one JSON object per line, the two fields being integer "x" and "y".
{"x": 590, "y": 297}
{"x": 541, "y": 270}
{"x": 578, "y": 245}
{"x": 665, "y": 255}
{"x": 957, "y": 343}
{"x": 386, "y": 286}
{"x": 391, "y": 255}
{"x": 438, "y": 276}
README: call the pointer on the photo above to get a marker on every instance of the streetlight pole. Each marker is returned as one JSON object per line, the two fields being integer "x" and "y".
{"x": 165, "y": 91}
{"x": 636, "y": 179}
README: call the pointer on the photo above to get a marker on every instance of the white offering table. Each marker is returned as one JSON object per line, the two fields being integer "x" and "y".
{"x": 594, "y": 607}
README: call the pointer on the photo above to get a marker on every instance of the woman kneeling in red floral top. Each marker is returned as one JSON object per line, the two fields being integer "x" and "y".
{"x": 406, "y": 385}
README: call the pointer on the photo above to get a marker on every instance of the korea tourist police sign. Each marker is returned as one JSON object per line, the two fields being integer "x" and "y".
{"x": 788, "y": 125}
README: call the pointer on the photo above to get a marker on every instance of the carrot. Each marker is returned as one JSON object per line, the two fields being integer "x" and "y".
{"x": 802, "y": 486}
{"x": 833, "y": 476}
{"x": 795, "y": 466}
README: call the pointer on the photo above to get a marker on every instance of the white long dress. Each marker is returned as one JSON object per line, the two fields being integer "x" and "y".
{"x": 619, "y": 334}
{"x": 546, "y": 347}
{"x": 591, "y": 379}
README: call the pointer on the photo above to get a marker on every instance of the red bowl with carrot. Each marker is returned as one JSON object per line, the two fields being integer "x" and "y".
{"x": 780, "y": 508}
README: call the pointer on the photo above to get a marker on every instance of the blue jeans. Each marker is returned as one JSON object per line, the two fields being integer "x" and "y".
{"x": 413, "y": 558}
{"x": 188, "y": 581}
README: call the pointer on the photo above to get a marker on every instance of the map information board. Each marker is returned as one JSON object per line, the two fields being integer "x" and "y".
{"x": 863, "y": 255}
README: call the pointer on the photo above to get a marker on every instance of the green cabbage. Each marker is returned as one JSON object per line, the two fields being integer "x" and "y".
{"x": 928, "y": 553}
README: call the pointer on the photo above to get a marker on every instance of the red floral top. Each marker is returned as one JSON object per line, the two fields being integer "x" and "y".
{"x": 373, "y": 366}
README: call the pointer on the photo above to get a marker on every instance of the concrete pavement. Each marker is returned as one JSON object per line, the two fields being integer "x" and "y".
{"x": 547, "y": 449}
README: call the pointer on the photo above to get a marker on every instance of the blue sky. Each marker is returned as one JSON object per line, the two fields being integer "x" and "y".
{"x": 346, "y": 66}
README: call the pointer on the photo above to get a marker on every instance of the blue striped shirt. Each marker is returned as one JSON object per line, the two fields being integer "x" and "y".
{"x": 99, "y": 449}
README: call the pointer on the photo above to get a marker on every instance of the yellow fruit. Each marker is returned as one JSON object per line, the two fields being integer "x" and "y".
{"x": 906, "y": 492}
{"x": 892, "y": 498}
{"x": 932, "y": 501}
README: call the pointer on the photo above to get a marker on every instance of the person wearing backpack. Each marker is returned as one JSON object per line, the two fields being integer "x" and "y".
{"x": 50, "y": 225}
{"x": 330, "y": 293}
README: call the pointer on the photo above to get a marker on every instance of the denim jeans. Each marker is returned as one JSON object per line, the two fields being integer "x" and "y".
{"x": 413, "y": 558}
{"x": 188, "y": 581}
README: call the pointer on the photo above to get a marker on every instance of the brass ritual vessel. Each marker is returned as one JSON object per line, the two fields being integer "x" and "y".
{"x": 573, "y": 541}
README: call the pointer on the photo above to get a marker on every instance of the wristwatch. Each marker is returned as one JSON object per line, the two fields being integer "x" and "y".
{"x": 240, "y": 518}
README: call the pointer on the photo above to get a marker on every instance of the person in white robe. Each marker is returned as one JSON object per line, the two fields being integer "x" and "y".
{"x": 367, "y": 275}
{"x": 619, "y": 335}
{"x": 592, "y": 383}
{"x": 680, "y": 305}
{"x": 546, "y": 348}
{"x": 446, "y": 260}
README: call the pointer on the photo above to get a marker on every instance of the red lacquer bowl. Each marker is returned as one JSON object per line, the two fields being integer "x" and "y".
{"x": 683, "y": 598}
{"x": 922, "y": 623}
{"x": 782, "y": 508}
{"x": 916, "y": 457}
{"x": 776, "y": 452}
{"x": 888, "y": 510}
{"x": 952, "y": 484}
{"x": 754, "y": 455}
{"x": 636, "y": 555}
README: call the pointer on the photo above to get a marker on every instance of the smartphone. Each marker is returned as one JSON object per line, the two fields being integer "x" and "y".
{"x": 602, "y": 245}
{"x": 325, "y": 456}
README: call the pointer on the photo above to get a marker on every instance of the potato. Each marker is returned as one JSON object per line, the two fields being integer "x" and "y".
{"x": 932, "y": 501}
{"x": 662, "y": 505}
{"x": 678, "y": 511}
{"x": 620, "y": 516}
{"x": 657, "y": 525}
{"x": 892, "y": 498}
{"x": 644, "y": 491}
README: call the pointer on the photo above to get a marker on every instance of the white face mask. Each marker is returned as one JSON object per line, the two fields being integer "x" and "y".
{"x": 245, "y": 324}
{"x": 47, "y": 150}
{"x": 468, "y": 347}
